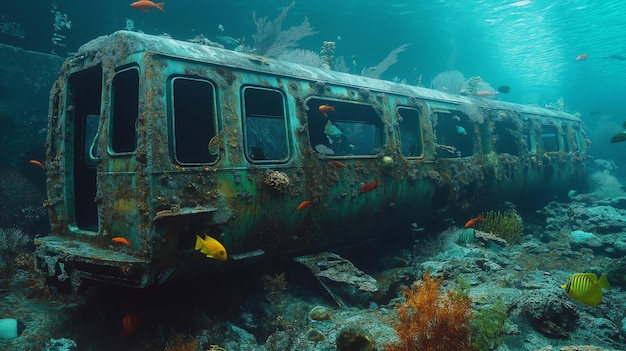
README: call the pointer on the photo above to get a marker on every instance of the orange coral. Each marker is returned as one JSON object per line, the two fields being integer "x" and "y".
{"x": 432, "y": 320}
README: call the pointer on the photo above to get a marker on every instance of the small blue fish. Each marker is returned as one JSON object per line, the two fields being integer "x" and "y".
{"x": 461, "y": 130}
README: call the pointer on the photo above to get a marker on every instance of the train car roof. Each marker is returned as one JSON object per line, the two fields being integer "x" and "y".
{"x": 134, "y": 42}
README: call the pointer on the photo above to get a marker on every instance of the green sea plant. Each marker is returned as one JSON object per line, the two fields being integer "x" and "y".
{"x": 506, "y": 225}
{"x": 487, "y": 326}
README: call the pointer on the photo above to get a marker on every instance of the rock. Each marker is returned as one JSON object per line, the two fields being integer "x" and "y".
{"x": 581, "y": 236}
{"x": 549, "y": 311}
{"x": 240, "y": 339}
{"x": 615, "y": 272}
{"x": 489, "y": 238}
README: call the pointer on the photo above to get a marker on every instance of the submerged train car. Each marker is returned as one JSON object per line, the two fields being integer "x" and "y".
{"x": 157, "y": 141}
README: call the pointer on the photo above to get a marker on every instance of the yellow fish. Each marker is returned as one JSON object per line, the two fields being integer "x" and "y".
{"x": 211, "y": 248}
{"x": 586, "y": 287}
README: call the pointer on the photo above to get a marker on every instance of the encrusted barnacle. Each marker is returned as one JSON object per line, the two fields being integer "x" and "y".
{"x": 278, "y": 181}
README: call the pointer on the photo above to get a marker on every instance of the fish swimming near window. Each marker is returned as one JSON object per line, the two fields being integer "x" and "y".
{"x": 324, "y": 109}
{"x": 367, "y": 187}
{"x": 586, "y": 287}
{"x": 474, "y": 221}
{"x": 37, "y": 163}
{"x": 211, "y": 248}
{"x": 121, "y": 241}
{"x": 303, "y": 205}
{"x": 147, "y": 5}
{"x": 504, "y": 89}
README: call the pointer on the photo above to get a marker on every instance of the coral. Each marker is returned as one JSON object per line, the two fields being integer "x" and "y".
{"x": 303, "y": 57}
{"x": 488, "y": 327}
{"x": 270, "y": 39}
{"x": 278, "y": 181}
{"x": 448, "y": 81}
{"x": 429, "y": 319}
{"x": 471, "y": 85}
{"x": 605, "y": 185}
{"x": 382, "y": 66}
{"x": 507, "y": 225}
{"x": 328, "y": 53}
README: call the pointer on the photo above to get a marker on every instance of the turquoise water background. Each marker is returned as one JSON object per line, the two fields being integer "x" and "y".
{"x": 530, "y": 45}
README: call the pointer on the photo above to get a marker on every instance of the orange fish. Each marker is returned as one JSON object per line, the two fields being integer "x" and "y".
{"x": 474, "y": 221}
{"x": 324, "y": 109}
{"x": 582, "y": 57}
{"x": 146, "y": 5}
{"x": 304, "y": 204}
{"x": 368, "y": 186}
{"x": 338, "y": 164}
{"x": 37, "y": 163}
{"x": 130, "y": 321}
{"x": 123, "y": 241}
{"x": 485, "y": 93}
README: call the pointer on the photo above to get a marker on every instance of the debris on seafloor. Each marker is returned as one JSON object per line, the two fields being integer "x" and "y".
{"x": 340, "y": 277}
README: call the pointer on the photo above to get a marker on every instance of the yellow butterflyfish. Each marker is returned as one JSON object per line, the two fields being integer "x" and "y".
{"x": 211, "y": 248}
{"x": 586, "y": 287}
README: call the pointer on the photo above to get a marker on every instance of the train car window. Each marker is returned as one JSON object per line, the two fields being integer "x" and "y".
{"x": 567, "y": 140}
{"x": 410, "y": 132}
{"x": 455, "y": 134}
{"x": 125, "y": 110}
{"x": 265, "y": 125}
{"x": 578, "y": 141}
{"x": 194, "y": 120}
{"x": 549, "y": 138}
{"x": 341, "y": 128}
{"x": 506, "y": 135}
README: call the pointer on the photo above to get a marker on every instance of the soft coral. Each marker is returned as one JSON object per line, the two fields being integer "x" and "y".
{"x": 432, "y": 320}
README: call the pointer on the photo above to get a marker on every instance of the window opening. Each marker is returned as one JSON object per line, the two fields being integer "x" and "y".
{"x": 194, "y": 120}
{"x": 125, "y": 110}
{"x": 506, "y": 135}
{"x": 265, "y": 125}
{"x": 340, "y": 128}
{"x": 549, "y": 138}
{"x": 455, "y": 136}
{"x": 410, "y": 132}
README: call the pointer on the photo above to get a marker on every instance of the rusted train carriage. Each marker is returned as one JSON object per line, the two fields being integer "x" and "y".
{"x": 156, "y": 141}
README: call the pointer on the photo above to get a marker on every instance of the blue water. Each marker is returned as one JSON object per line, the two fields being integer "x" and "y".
{"x": 528, "y": 44}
